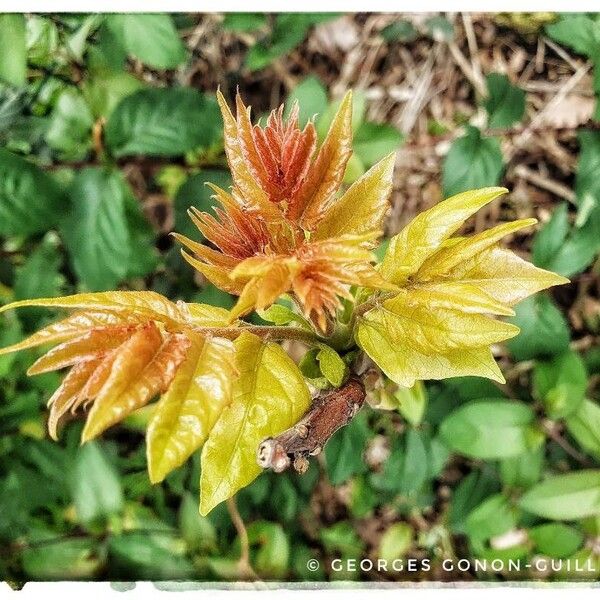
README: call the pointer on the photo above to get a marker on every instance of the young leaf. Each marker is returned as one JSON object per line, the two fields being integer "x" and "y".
{"x": 409, "y": 249}
{"x": 269, "y": 395}
{"x": 364, "y": 205}
{"x": 332, "y": 366}
{"x": 505, "y": 104}
{"x": 473, "y": 161}
{"x": 488, "y": 429}
{"x": 565, "y": 497}
{"x": 189, "y": 409}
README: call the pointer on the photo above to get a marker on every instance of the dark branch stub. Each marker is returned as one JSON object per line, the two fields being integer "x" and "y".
{"x": 307, "y": 438}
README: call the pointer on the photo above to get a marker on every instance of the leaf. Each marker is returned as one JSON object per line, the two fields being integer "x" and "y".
{"x": 409, "y": 249}
{"x": 405, "y": 365}
{"x": 556, "y": 539}
{"x": 494, "y": 516}
{"x": 144, "y": 366}
{"x": 278, "y": 314}
{"x": 561, "y": 384}
{"x": 584, "y": 426}
{"x": 95, "y": 230}
{"x": 263, "y": 406}
{"x": 505, "y": 104}
{"x": 273, "y": 555}
{"x": 488, "y": 429}
{"x": 412, "y": 402}
{"x": 70, "y": 129}
{"x": 311, "y": 96}
{"x": 344, "y": 451}
{"x": 523, "y": 470}
{"x": 549, "y": 240}
{"x": 469, "y": 493}
{"x": 316, "y": 194}
{"x": 72, "y": 559}
{"x": 150, "y": 37}
{"x": 198, "y": 531}
{"x": 194, "y": 192}
{"x": 244, "y": 21}
{"x": 95, "y": 485}
{"x": 578, "y": 32}
{"x": 395, "y": 542}
{"x": 373, "y": 141}
{"x": 135, "y": 555}
{"x": 565, "y": 497}
{"x": 104, "y": 91}
{"x": 149, "y": 122}
{"x": 544, "y": 331}
{"x": 13, "y": 52}
{"x": 474, "y": 161}
{"x": 364, "y": 205}
{"x": 30, "y": 200}
{"x": 331, "y": 365}
{"x": 401, "y": 31}
{"x": 144, "y": 303}
{"x": 187, "y": 412}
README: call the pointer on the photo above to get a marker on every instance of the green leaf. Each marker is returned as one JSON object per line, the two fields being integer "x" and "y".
{"x": 30, "y": 200}
{"x": 143, "y": 256}
{"x": 395, "y": 542}
{"x": 439, "y": 28}
{"x": 95, "y": 485}
{"x": 556, "y": 540}
{"x": 341, "y": 538}
{"x": 524, "y": 470}
{"x": 269, "y": 396}
{"x": 548, "y": 241}
{"x": 311, "y": 96}
{"x": 331, "y": 365}
{"x": 244, "y": 21}
{"x": 494, "y": 516}
{"x": 474, "y": 161}
{"x": 488, "y": 429}
{"x": 560, "y": 383}
{"x": 505, "y": 104}
{"x": 401, "y": 31}
{"x": 150, "y": 122}
{"x": 75, "y": 559}
{"x": 470, "y": 493}
{"x": 104, "y": 91}
{"x": 138, "y": 556}
{"x": 412, "y": 402}
{"x": 198, "y": 531}
{"x": 578, "y": 32}
{"x": 544, "y": 331}
{"x": 344, "y": 451}
{"x": 195, "y": 193}
{"x": 273, "y": 555}
{"x": 95, "y": 230}
{"x": 150, "y": 37}
{"x": 565, "y": 497}
{"x": 374, "y": 141}
{"x": 278, "y": 314}
{"x": 70, "y": 128}
{"x": 13, "y": 51}
{"x": 42, "y": 40}
{"x": 584, "y": 426}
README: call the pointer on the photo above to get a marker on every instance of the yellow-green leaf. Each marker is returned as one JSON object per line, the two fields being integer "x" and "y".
{"x": 504, "y": 275}
{"x": 269, "y": 396}
{"x": 405, "y": 365}
{"x": 362, "y": 208}
{"x": 412, "y": 319}
{"x": 205, "y": 315}
{"x": 149, "y": 304}
{"x": 194, "y": 401}
{"x": 423, "y": 236}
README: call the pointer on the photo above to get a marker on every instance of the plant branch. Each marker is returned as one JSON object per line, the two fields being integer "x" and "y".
{"x": 554, "y": 434}
{"x": 246, "y": 569}
{"x": 266, "y": 332}
{"x": 307, "y": 438}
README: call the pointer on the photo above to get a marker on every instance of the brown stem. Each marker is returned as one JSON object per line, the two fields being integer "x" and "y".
{"x": 554, "y": 434}
{"x": 266, "y": 332}
{"x": 246, "y": 570}
{"x": 307, "y": 438}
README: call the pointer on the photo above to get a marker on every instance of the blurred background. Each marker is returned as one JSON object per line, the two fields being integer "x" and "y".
{"x": 109, "y": 129}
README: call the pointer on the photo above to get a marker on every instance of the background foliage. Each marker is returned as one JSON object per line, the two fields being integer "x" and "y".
{"x": 109, "y": 129}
